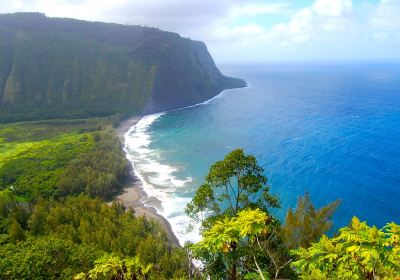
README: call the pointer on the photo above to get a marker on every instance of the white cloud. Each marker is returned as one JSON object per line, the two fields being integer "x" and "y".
{"x": 259, "y": 9}
{"x": 324, "y": 16}
{"x": 245, "y": 34}
{"x": 326, "y": 29}
{"x": 387, "y": 15}
{"x": 332, "y": 8}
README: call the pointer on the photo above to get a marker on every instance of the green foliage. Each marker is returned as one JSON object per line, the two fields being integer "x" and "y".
{"x": 36, "y": 172}
{"x": 36, "y": 154}
{"x": 232, "y": 184}
{"x": 13, "y": 216}
{"x": 112, "y": 229}
{"x": 230, "y": 231}
{"x": 243, "y": 241}
{"x": 37, "y": 131}
{"x": 49, "y": 160}
{"x": 358, "y": 252}
{"x": 113, "y": 267}
{"x": 86, "y": 222}
{"x": 16, "y": 232}
{"x": 229, "y": 238}
{"x": 90, "y": 221}
{"x": 256, "y": 276}
{"x": 59, "y": 158}
{"x": 46, "y": 257}
{"x": 306, "y": 224}
{"x": 98, "y": 173}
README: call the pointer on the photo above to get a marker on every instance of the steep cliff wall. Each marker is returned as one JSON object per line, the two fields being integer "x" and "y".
{"x": 53, "y": 67}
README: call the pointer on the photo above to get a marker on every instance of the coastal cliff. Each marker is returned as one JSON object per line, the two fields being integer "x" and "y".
{"x": 57, "y": 68}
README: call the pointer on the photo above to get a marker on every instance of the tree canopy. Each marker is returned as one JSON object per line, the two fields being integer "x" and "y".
{"x": 232, "y": 205}
{"x": 306, "y": 224}
{"x": 235, "y": 183}
{"x": 358, "y": 252}
{"x": 76, "y": 223}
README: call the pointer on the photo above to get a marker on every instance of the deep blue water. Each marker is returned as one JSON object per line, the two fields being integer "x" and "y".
{"x": 332, "y": 130}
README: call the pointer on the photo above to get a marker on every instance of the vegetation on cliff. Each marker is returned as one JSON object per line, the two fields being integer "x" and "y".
{"x": 65, "y": 68}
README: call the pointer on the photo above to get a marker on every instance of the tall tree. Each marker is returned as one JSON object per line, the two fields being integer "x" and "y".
{"x": 233, "y": 184}
{"x": 307, "y": 224}
{"x": 16, "y": 232}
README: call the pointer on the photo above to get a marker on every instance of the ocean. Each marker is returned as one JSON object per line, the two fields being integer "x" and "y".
{"x": 330, "y": 129}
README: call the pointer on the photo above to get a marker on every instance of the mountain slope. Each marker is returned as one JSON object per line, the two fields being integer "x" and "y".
{"x": 54, "y": 67}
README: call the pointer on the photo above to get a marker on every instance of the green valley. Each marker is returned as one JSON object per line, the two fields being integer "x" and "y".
{"x": 37, "y": 158}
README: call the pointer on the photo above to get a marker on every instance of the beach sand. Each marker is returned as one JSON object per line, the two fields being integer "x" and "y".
{"x": 125, "y": 125}
{"x": 133, "y": 194}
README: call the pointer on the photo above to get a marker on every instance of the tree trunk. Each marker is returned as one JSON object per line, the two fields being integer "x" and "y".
{"x": 233, "y": 270}
{"x": 233, "y": 273}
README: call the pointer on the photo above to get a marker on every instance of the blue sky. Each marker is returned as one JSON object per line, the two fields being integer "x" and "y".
{"x": 253, "y": 30}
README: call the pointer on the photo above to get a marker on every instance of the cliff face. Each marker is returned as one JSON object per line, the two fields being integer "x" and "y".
{"x": 52, "y": 67}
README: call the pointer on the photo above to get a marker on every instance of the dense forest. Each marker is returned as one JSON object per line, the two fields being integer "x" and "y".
{"x": 65, "y": 68}
{"x": 57, "y": 158}
{"x": 59, "y": 239}
{"x": 56, "y": 177}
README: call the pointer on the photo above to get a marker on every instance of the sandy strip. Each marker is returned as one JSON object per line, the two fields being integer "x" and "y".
{"x": 134, "y": 194}
{"x": 125, "y": 125}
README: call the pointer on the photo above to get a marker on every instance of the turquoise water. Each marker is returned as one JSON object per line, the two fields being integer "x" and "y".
{"x": 330, "y": 129}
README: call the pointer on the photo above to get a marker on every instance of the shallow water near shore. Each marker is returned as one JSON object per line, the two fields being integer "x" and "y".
{"x": 330, "y": 129}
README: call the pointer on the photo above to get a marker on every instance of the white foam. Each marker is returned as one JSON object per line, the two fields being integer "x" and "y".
{"x": 158, "y": 180}
{"x": 200, "y": 104}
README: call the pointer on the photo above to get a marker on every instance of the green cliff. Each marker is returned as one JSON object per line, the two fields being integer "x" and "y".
{"x": 56, "y": 67}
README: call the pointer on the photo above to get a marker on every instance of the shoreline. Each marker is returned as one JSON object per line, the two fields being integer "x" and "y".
{"x": 133, "y": 193}
{"x": 125, "y": 125}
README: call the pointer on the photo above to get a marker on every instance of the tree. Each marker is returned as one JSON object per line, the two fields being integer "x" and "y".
{"x": 359, "y": 252}
{"x": 307, "y": 224}
{"x": 37, "y": 220}
{"x": 16, "y": 232}
{"x": 233, "y": 184}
